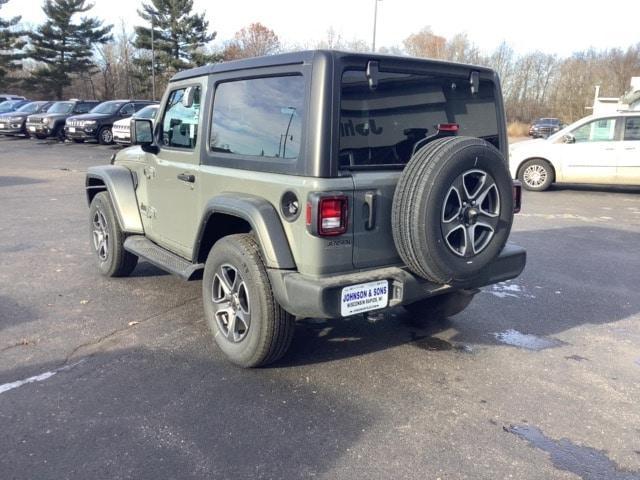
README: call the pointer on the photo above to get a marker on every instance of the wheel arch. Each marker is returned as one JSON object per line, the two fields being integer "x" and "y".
{"x": 231, "y": 213}
{"x": 547, "y": 161}
{"x": 120, "y": 184}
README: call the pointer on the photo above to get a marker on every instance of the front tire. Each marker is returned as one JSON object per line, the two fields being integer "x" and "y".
{"x": 247, "y": 323}
{"x": 107, "y": 239}
{"x": 59, "y": 134}
{"x": 536, "y": 175}
{"x": 105, "y": 136}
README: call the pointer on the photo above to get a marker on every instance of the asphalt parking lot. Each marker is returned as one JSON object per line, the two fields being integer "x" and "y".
{"x": 118, "y": 378}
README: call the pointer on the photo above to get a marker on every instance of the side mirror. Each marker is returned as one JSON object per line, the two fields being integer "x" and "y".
{"x": 187, "y": 97}
{"x": 142, "y": 134}
{"x": 568, "y": 138}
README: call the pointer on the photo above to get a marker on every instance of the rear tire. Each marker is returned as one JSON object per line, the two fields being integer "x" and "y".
{"x": 425, "y": 312}
{"x": 107, "y": 239}
{"x": 247, "y": 323}
{"x": 536, "y": 175}
{"x": 452, "y": 209}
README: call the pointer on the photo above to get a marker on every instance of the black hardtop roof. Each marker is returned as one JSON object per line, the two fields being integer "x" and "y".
{"x": 306, "y": 56}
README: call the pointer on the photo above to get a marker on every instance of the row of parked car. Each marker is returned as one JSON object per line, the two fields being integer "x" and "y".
{"x": 77, "y": 120}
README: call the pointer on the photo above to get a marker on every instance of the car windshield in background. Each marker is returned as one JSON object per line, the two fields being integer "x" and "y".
{"x": 61, "y": 107}
{"x": 385, "y": 125}
{"x": 9, "y": 105}
{"x": 147, "y": 112}
{"x": 549, "y": 121}
{"x": 29, "y": 107}
{"x": 107, "y": 108}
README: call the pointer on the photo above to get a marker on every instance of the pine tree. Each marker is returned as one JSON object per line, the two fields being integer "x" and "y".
{"x": 10, "y": 45}
{"x": 179, "y": 36}
{"x": 64, "y": 47}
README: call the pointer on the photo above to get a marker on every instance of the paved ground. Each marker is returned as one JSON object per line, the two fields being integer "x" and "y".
{"x": 538, "y": 379}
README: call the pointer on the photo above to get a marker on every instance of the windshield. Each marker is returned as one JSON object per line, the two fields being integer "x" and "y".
{"x": 384, "y": 126}
{"x": 147, "y": 112}
{"x": 30, "y": 107}
{"x": 107, "y": 108}
{"x": 61, "y": 107}
{"x": 9, "y": 105}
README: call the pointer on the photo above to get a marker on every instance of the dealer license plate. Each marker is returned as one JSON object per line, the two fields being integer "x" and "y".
{"x": 72, "y": 129}
{"x": 32, "y": 129}
{"x": 364, "y": 297}
{"x": 2, "y": 125}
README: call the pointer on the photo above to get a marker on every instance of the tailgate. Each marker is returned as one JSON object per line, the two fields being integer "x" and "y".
{"x": 372, "y": 200}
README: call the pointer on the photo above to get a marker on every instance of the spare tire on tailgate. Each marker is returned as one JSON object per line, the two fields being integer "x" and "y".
{"x": 452, "y": 209}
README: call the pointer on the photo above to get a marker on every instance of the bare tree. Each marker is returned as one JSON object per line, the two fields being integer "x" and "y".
{"x": 253, "y": 41}
{"x": 426, "y": 44}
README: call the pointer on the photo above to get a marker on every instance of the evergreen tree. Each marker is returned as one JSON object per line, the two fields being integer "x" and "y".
{"x": 10, "y": 45}
{"x": 64, "y": 47}
{"x": 179, "y": 36}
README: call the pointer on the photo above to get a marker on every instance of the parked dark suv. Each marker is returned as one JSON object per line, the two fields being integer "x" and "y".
{"x": 15, "y": 123}
{"x": 543, "y": 127}
{"x": 98, "y": 123}
{"x": 51, "y": 124}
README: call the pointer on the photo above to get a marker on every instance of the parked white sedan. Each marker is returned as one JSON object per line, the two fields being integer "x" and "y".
{"x": 602, "y": 149}
{"x": 122, "y": 128}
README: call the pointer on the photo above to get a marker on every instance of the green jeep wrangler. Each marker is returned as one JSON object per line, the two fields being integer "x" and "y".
{"x": 314, "y": 184}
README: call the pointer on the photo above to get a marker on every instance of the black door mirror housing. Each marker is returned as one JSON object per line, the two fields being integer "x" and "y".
{"x": 142, "y": 134}
{"x": 568, "y": 138}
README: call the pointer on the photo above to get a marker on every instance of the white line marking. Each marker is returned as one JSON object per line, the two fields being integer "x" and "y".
{"x": 36, "y": 378}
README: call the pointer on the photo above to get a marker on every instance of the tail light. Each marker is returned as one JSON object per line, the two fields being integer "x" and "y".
{"x": 327, "y": 215}
{"x": 448, "y": 127}
{"x": 517, "y": 196}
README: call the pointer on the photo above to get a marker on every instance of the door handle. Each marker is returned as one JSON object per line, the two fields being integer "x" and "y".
{"x": 629, "y": 148}
{"x": 370, "y": 202}
{"x": 187, "y": 177}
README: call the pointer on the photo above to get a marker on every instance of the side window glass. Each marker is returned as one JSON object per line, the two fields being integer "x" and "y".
{"x": 180, "y": 123}
{"x": 632, "y": 129}
{"x": 601, "y": 130}
{"x": 128, "y": 109}
{"x": 261, "y": 117}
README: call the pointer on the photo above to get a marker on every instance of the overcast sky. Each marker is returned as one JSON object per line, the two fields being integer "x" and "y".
{"x": 561, "y": 27}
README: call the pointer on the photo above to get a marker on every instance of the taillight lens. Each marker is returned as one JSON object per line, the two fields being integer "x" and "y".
{"x": 448, "y": 127}
{"x": 517, "y": 196}
{"x": 332, "y": 215}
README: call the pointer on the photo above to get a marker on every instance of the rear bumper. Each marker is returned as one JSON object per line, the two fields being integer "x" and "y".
{"x": 320, "y": 297}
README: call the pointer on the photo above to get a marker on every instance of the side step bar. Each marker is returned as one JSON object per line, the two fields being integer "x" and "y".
{"x": 162, "y": 258}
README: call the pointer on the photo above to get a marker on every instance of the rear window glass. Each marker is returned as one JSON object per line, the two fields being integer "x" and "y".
{"x": 384, "y": 126}
{"x": 261, "y": 117}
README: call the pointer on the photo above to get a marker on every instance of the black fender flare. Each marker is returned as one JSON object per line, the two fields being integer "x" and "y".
{"x": 120, "y": 183}
{"x": 265, "y": 224}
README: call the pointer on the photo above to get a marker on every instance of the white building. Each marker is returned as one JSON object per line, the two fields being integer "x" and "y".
{"x": 629, "y": 101}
